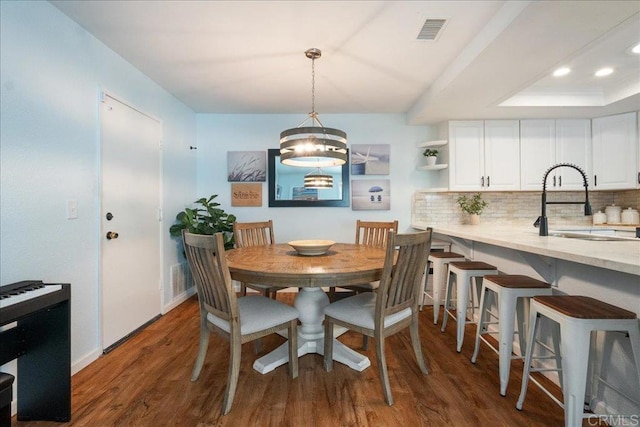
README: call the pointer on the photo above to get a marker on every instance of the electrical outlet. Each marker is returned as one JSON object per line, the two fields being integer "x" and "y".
{"x": 72, "y": 209}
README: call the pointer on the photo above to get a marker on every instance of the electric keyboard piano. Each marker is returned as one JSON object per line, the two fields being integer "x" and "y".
{"x": 41, "y": 341}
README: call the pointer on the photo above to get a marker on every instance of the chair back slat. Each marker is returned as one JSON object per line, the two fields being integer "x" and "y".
{"x": 405, "y": 264}
{"x": 253, "y": 233}
{"x": 374, "y": 233}
{"x": 205, "y": 254}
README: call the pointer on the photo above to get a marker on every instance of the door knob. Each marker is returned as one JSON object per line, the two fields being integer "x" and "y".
{"x": 112, "y": 235}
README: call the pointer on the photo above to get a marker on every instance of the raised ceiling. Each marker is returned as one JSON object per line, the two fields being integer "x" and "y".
{"x": 248, "y": 56}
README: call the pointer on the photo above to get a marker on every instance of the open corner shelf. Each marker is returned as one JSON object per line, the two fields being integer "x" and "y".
{"x": 431, "y": 144}
{"x": 432, "y": 167}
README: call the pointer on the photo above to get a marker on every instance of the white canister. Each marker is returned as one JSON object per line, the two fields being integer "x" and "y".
{"x": 630, "y": 216}
{"x": 599, "y": 218}
{"x": 613, "y": 214}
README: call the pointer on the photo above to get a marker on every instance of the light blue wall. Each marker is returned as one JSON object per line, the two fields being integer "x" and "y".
{"x": 219, "y": 133}
{"x": 51, "y": 73}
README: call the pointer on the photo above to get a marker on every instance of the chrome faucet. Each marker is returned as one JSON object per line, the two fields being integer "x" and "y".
{"x": 542, "y": 221}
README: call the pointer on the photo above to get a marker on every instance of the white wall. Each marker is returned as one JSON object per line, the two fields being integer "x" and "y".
{"x": 219, "y": 133}
{"x": 51, "y": 73}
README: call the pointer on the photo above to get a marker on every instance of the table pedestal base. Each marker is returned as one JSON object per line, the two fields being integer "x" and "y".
{"x": 310, "y": 303}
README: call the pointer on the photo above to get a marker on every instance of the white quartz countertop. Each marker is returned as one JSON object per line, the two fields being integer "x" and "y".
{"x": 621, "y": 256}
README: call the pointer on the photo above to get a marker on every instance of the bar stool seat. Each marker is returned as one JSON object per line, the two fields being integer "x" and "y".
{"x": 464, "y": 274}
{"x": 513, "y": 292}
{"x": 439, "y": 262}
{"x": 577, "y": 316}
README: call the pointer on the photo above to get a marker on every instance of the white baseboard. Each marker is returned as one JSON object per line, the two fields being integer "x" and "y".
{"x": 179, "y": 300}
{"x": 85, "y": 361}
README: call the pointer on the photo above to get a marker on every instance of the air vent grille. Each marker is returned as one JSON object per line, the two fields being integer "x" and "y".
{"x": 431, "y": 29}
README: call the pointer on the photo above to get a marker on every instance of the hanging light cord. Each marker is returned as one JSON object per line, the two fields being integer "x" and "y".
{"x": 313, "y": 115}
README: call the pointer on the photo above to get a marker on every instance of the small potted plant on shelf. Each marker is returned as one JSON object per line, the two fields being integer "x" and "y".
{"x": 472, "y": 205}
{"x": 430, "y": 155}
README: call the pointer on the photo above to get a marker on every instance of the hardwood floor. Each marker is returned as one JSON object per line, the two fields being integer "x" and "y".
{"x": 146, "y": 382}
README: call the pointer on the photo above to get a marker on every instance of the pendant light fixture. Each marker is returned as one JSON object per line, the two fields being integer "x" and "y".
{"x": 315, "y": 145}
{"x": 318, "y": 179}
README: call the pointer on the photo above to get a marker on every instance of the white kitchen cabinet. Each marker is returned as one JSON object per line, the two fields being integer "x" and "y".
{"x": 544, "y": 143}
{"x": 484, "y": 155}
{"x": 615, "y": 152}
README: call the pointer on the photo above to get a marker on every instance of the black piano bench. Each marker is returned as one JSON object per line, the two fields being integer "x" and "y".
{"x": 6, "y": 395}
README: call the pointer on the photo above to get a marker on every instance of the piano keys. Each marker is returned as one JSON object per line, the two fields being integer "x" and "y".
{"x": 25, "y": 292}
{"x": 41, "y": 341}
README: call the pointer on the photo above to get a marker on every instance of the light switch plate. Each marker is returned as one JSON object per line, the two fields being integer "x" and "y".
{"x": 72, "y": 209}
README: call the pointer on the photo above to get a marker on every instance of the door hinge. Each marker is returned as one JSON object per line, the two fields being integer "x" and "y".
{"x": 159, "y": 214}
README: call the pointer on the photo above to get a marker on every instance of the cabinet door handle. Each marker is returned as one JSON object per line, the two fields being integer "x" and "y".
{"x": 638, "y": 177}
{"x": 595, "y": 180}
{"x": 559, "y": 181}
{"x": 482, "y": 181}
{"x": 488, "y": 181}
{"x": 554, "y": 181}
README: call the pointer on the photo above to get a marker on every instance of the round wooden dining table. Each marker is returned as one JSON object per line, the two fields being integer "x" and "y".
{"x": 280, "y": 265}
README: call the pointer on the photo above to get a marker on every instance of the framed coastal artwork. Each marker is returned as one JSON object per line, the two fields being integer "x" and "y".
{"x": 371, "y": 194}
{"x": 246, "y": 166}
{"x": 246, "y": 194}
{"x": 370, "y": 159}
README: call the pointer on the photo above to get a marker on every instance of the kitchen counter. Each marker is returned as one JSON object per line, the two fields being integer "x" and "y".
{"x": 622, "y": 256}
{"x": 606, "y": 270}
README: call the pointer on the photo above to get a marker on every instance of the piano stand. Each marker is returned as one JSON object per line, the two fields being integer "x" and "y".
{"x": 41, "y": 343}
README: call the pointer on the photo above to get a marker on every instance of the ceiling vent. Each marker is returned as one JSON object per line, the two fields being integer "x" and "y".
{"x": 431, "y": 29}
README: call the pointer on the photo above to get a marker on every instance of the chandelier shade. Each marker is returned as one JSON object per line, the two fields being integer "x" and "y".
{"x": 318, "y": 180}
{"x": 315, "y": 145}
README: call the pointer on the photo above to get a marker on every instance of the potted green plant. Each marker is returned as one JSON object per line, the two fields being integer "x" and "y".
{"x": 430, "y": 155}
{"x": 205, "y": 218}
{"x": 472, "y": 205}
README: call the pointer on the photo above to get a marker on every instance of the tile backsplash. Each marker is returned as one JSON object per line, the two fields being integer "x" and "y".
{"x": 518, "y": 207}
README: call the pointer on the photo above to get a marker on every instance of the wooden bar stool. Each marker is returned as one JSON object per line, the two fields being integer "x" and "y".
{"x": 577, "y": 316}
{"x": 439, "y": 262}
{"x": 464, "y": 274}
{"x": 513, "y": 292}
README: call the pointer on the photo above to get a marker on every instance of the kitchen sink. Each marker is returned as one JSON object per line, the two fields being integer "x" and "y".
{"x": 592, "y": 237}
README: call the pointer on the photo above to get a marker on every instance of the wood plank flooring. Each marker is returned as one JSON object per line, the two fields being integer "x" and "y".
{"x": 146, "y": 382}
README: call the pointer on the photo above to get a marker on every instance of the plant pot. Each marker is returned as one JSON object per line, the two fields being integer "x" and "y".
{"x": 431, "y": 160}
{"x": 474, "y": 219}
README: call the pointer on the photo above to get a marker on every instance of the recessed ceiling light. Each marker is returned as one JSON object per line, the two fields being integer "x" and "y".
{"x": 563, "y": 71}
{"x": 604, "y": 72}
{"x": 636, "y": 49}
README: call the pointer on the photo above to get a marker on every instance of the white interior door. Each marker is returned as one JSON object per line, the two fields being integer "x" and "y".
{"x": 130, "y": 260}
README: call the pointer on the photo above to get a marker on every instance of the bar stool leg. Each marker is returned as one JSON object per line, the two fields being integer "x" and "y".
{"x": 531, "y": 336}
{"x": 555, "y": 337}
{"x": 634, "y": 336}
{"x": 423, "y": 287}
{"x": 447, "y": 297}
{"x": 507, "y": 313}
{"x": 574, "y": 349}
{"x": 438, "y": 279}
{"x": 462, "y": 295}
{"x": 484, "y": 318}
{"x": 522, "y": 310}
